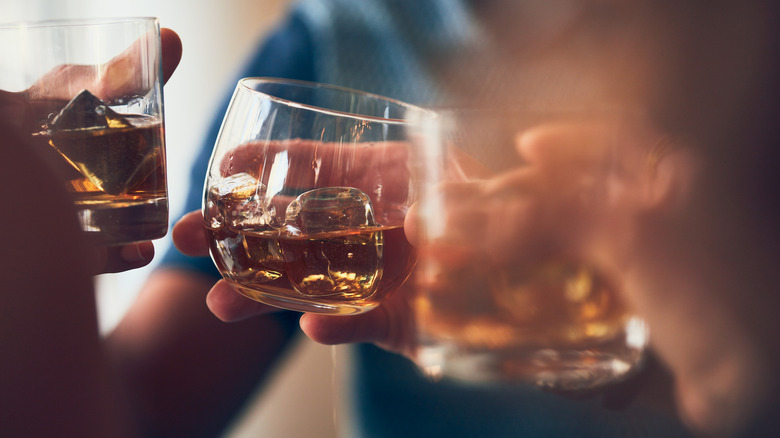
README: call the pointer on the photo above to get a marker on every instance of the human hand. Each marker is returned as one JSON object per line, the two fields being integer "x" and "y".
{"x": 189, "y": 237}
{"x": 569, "y": 197}
{"x": 664, "y": 238}
{"x": 695, "y": 273}
{"x": 25, "y": 108}
{"x": 119, "y": 77}
{"x": 683, "y": 260}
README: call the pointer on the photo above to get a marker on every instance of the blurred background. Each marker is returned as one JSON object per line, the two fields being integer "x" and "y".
{"x": 217, "y": 36}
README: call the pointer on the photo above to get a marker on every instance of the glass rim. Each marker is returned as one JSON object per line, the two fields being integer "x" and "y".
{"x": 536, "y": 107}
{"x": 74, "y": 22}
{"x": 243, "y": 83}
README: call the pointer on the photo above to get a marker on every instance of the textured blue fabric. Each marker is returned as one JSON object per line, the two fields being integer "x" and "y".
{"x": 381, "y": 47}
{"x": 384, "y": 47}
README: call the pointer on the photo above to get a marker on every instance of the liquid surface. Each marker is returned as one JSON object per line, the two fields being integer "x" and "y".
{"x": 346, "y": 271}
{"x": 117, "y": 177}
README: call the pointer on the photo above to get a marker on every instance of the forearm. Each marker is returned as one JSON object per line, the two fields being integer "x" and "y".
{"x": 185, "y": 372}
{"x": 53, "y": 374}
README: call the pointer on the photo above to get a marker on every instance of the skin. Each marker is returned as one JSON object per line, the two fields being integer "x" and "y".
{"x": 53, "y": 361}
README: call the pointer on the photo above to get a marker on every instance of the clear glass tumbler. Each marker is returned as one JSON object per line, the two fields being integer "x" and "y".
{"x": 306, "y": 195}
{"x": 518, "y": 211}
{"x": 90, "y": 94}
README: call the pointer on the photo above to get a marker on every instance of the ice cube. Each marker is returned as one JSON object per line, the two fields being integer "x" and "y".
{"x": 331, "y": 249}
{"x": 111, "y": 151}
{"x": 240, "y": 202}
{"x": 329, "y": 209}
{"x": 251, "y": 254}
{"x": 86, "y": 111}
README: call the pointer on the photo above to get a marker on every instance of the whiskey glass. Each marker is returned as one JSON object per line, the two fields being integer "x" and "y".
{"x": 92, "y": 90}
{"x": 306, "y": 195}
{"x": 517, "y": 209}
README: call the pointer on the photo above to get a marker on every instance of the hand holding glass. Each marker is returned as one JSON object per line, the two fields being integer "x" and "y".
{"x": 96, "y": 111}
{"x": 515, "y": 216}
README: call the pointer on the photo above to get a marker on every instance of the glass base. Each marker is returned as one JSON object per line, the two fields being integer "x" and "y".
{"x": 120, "y": 223}
{"x": 302, "y": 304}
{"x": 569, "y": 369}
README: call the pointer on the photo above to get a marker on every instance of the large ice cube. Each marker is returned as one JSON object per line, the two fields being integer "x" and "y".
{"x": 240, "y": 203}
{"x": 86, "y": 111}
{"x": 329, "y": 209}
{"x": 332, "y": 246}
{"x": 114, "y": 153}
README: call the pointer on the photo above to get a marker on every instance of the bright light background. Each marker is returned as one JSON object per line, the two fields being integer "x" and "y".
{"x": 217, "y": 36}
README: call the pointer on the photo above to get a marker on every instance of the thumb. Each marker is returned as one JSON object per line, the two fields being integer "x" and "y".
{"x": 171, "y": 52}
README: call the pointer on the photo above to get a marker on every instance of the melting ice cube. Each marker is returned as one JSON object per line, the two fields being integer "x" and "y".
{"x": 251, "y": 252}
{"x": 240, "y": 203}
{"x": 329, "y": 209}
{"x": 334, "y": 249}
